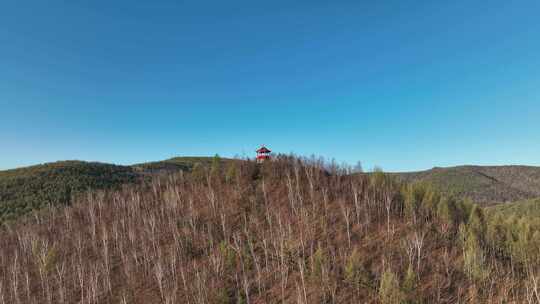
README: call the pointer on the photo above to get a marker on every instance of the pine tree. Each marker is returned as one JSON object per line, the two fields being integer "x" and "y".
{"x": 474, "y": 259}
{"x": 355, "y": 272}
{"x": 231, "y": 172}
{"x": 409, "y": 283}
{"x": 198, "y": 172}
{"x": 476, "y": 223}
{"x": 215, "y": 169}
{"x": 389, "y": 291}
{"x": 413, "y": 196}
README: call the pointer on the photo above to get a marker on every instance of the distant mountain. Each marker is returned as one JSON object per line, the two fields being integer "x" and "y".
{"x": 482, "y": 184}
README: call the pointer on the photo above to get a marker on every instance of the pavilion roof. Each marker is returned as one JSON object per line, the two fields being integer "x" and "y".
{"x": 263, "y": 149}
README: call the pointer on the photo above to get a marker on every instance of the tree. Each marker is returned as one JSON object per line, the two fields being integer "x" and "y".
{"x": 413, "y": 196}
{"x": 377, "y": 178}
{"x": 215, "y": 169}
{"x": 474, "y": 259}
{"x": 198, "y": 172}
{"x": 476, "y": 223}
{"x": 446, "y": 213}
{"x": 389, "y": 291}
{"x": 231, "y": 172}
{"x": 358, "y": 168}
{"x": 319, "y": 261}
{"x": 409, "y": 283}
{"x": 430, "y": 201}
{"x": 355, "y": 273}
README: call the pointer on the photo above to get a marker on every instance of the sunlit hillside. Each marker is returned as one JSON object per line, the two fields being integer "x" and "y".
{"x": 287, "y": 231}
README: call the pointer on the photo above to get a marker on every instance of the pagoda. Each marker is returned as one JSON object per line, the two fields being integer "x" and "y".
{"x": 263, "y": 154}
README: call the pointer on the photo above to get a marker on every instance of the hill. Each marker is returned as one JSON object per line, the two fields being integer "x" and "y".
{"x": 185, "y": 163}
{"x": 26, "y": 189}
{"x": 32, "y": 188}
{"x": 482, "y": 184}
{"x": 284, "y": 232}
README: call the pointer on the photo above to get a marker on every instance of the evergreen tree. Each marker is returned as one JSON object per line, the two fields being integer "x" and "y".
{"x": 355, "y": 273}
{"x": 430, "y": 201}
{"x": 389, "y": 291}
{"x": 476, "y": 223}
{"x": 319, "y": 260}
{"x": 409, "y": 283}
{"x": 215, "y": 169}
{"x": 474, "y": 259}
{"x": 413, "y": 195}
{"x": 198, "y": 172}
{"x": 231, "y": 172}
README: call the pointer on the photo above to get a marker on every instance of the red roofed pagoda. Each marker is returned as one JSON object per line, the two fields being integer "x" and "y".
{"x": 263, "y": 154}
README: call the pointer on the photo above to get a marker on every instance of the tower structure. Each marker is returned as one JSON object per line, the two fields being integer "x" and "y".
{"x": 263, "y": 154}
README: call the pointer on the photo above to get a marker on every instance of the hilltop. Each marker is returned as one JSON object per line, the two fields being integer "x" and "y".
{"x": 482, "y": 184}
{"x": 286, "y": 231}
{"x": 54, "y": 184}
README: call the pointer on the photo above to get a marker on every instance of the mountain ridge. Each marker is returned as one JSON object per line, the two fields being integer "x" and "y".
{"x": 26, "y": 189}
{"x": 482, "y": 184}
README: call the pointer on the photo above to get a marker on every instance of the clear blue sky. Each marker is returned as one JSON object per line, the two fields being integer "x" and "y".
{"x": 405, "y": 85}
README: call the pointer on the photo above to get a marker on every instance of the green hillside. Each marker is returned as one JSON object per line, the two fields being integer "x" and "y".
{"x": 522, "y": 209}
{"x": 31, "y": 188}
{"x": 185, "y": 163}
{"x": 482, "y": 184}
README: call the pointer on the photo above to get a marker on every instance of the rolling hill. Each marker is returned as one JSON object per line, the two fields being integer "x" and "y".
{"x": 32, "y": 188}
{"x": 482, "y": 184}
{"x": 283, "y": 232}
{"x": 185, "y": 163}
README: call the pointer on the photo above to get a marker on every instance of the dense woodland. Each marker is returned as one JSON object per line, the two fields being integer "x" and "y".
{"x": 25, "y": 190}
{"x": 33, "y": 188}
{"x": 288, "y": 231}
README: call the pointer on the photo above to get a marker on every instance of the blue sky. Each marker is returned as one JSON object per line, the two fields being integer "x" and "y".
{"x": 399, "y": 84}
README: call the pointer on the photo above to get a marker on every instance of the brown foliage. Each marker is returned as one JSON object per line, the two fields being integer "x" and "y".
{"x": 291, "y": 230}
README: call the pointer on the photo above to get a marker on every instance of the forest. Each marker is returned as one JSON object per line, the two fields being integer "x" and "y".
{"x": 293, "y": 230}
{"x": 55, "y": 184}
